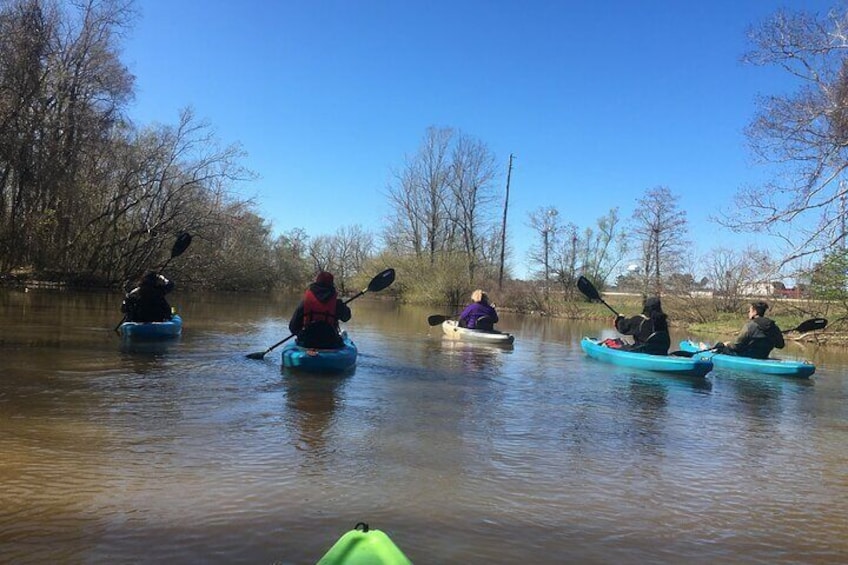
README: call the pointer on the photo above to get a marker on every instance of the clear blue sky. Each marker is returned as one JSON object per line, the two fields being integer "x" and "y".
{"x": 598, "y": 100}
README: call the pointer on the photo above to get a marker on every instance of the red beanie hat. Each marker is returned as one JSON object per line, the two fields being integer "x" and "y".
{"x": 324, "y": 278}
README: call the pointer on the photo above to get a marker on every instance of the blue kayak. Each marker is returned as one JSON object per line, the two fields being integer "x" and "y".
{"x": 669, "y": 364}
{"x": 320, "y": 360}
{"x": 152, "y": 330}
{"x": 771, "y": 366}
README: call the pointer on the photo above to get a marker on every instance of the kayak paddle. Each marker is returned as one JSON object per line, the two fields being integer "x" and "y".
{"x": 180, "y": 245}
{"x": 810, "y": 325}
{"x": 378, "y": 283}
{"x": 590, "y": 292}
{"x": 436, "y": 319}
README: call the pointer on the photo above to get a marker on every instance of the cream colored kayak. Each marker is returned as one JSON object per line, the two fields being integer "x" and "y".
{"x": 452, "y": 330}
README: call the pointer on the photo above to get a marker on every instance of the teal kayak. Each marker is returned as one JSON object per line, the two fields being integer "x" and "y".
{"x": 152, "y": 330}
{"x": 321, "y": 360}
{"x": 670, "y": 364}
{"x": 770, "y": 366}
{"x": 364, "y": 546}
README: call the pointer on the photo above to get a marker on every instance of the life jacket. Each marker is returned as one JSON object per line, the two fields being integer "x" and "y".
{"x": 656, "y": 343}
{"x": 316, "y": 311}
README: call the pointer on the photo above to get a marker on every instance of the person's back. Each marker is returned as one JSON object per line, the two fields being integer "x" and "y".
{"x": 315, "y": 321}
{"x": 758, "y": 337}
{"x": 147, "y": 302}
{"x": 479, "y": 314}
{"x": 649, "y": 329}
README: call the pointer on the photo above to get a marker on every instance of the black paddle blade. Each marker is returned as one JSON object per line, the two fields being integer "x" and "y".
{"x": 181, "y": 244}
{"x": 381, "y": 281}
{"x": 810, "y": 325}
{"x": 587, "y": 288}
{"x": 436, "y": 319}
{"x": 257, "y": 355}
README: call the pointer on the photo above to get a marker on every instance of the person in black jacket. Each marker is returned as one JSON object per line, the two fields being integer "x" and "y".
{"x": 315, "y": 321}
{"x": 649, "y": 329}
{"x": 759, "y": 336}
{"x": 146, "y": 302}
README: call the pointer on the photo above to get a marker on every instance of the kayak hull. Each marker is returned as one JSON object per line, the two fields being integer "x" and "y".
{"x": 321, "y": 360}
{"x": 452, "y": 330}
{"x": 364, "y": 547}
{"x": 153, "y": 330}
{"x": 669, "y": 364}
{"x": 780, "y": 367}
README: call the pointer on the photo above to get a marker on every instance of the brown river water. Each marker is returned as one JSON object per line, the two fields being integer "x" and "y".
{"x": 188, "y": 452}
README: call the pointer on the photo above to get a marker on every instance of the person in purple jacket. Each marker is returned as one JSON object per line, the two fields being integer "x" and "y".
{"x": 479, "y": 314}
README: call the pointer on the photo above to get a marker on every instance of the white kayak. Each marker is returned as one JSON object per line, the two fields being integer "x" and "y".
{"x": 452, "y": 330}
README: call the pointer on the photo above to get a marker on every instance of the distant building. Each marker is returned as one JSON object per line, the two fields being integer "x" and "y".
{"x": 771, "y": 288}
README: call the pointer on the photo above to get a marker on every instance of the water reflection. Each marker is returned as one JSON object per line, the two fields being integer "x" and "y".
{"x": 472, "y": 357}
{"x": 152, "y": 348}
{"x": 312, "y": 402}
{"x": 761, "y": 398}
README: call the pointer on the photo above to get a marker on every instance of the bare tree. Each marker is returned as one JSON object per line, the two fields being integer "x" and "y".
{"x": 472, "y": 173}
{"x": 660, "y": 228}
{"x": 734, "y": 274}
{"x": 804, "y": 134}
{"x": 418, "y": 198}
{"x": 605, "y": 246}
{"x": 161, "y": 180}
{"x": 351, "y": 247}
{"x": 567, "y": 258}
{"x": 62, "y": 91}
{"x": 291, "y": 267}
{"x": 545, "y": 222}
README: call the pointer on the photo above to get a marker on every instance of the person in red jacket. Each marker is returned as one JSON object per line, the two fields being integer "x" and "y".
{"x": 315, "y": 321}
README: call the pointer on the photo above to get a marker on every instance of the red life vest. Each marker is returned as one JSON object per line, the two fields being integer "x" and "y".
{"x": 316, "y": 311}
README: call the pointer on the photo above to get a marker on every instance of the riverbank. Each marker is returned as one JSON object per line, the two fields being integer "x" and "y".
{"x": 700, "y": 316}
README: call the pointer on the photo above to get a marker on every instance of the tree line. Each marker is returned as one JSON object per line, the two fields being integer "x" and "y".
{"x": 89, "y": 197}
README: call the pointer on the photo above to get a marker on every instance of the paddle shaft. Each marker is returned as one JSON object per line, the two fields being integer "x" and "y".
{"x": 610, "y": 307}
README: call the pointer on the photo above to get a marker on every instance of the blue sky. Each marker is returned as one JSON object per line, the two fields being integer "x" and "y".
{"x": 598, "y": 100}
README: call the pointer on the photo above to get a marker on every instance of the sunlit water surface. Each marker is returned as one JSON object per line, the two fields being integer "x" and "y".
{"x": 188, "y": 452}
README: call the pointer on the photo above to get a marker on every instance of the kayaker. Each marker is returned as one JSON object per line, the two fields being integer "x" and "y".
{"x": 758, "y": 337}
{"x": 146, "y": 302}
{"x": 649, "y": 329}
{"x": 480, "y": 314}
{"x": 315, "y": 321}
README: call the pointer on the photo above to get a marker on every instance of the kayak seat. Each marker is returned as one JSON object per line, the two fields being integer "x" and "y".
{"x": 485, "y": 323}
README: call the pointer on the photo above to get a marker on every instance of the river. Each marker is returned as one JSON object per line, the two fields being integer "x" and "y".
{"x": 189, "y": 452}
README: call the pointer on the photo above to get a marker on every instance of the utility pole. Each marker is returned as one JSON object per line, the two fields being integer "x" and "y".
{"x": 503, "y": 226}
{"x": 843, "y": 236}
